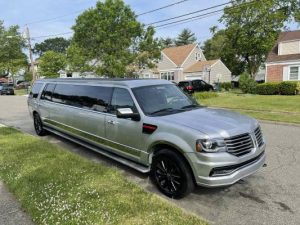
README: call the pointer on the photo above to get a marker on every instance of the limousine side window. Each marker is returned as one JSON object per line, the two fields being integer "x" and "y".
{"x": 84, "y": 96}
{"x": 121, "y": 98}
{"x": 47, "y": 92}
{"x": 34, "y": 93}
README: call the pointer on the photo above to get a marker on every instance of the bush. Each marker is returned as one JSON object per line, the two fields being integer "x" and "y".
{"x": 226, "y": 85}
{"x": 205, "y": 95}
{"x": 247, "y": 84}
{"x": 288, "y": 88}
{"x": 268, "y": 89}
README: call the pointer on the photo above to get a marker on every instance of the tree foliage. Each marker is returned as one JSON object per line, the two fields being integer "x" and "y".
{"x": 247, "y": 84}
{"x": 78, "y": 59}
{"x": 113, "y": 38}
{"x": 219, "y": 47}
{"x": 50, "y": 63}
{"x": 58, "y": 44}
{"x": 251, "y": 28}
{"x": 166, "y": 42}
{"x": 185, "y": 37}
{"x": 12, "y": 59}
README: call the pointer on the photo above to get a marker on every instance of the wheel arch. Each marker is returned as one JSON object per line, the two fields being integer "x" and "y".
{"x": 155, "y": 148}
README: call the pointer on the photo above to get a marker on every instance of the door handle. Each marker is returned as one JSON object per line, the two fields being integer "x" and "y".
{"x": 112, "y": 122}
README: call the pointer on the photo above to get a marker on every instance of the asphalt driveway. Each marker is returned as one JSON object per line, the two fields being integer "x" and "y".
{"x": 271, "y": 196}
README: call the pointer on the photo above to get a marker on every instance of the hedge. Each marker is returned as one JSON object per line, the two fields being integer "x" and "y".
{"x": 226, "y": 85}
{"x": 268, "y": 89}
{"x": 283, "y": 88}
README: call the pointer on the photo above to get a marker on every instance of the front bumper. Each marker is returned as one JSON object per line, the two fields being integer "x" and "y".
{"x": 237, "y": 167}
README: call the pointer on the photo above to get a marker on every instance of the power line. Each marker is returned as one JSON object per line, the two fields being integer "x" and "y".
{"x": 76, "y": 12}
{"x": 203, "y": 15}
{"x": 52, "y": 35}
{"x": 163, "y": 7}
{"x": 53, "y": 18}
{"x": 187, "y": 14}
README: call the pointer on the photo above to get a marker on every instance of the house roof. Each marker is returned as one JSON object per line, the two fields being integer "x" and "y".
{"x": 284, "y": 36}
{"x": 179, "y": 54}
{"x": 200, "y": 66}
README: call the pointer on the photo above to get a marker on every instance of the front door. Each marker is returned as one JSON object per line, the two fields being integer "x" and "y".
{"x": 124, "y": 135}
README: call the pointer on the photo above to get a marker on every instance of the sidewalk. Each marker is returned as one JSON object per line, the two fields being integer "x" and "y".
{"x": 10, "y": 210}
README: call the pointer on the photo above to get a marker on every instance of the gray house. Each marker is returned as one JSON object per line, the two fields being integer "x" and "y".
{"x": 187, "y": 63}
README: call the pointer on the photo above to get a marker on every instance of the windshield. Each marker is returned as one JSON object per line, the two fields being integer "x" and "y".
{"x": 163, "y": 99}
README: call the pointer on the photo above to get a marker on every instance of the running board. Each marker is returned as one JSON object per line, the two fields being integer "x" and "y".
{"x": 122, "y": 160}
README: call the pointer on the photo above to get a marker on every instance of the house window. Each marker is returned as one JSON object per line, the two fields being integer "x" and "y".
{"x": 294, "y": 73}
{"x": 167, "y": 75}
{"x": 198, "y": 56}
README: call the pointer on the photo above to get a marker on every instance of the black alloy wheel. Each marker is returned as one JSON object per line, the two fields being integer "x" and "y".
{"x": 171, "y": 174}
{"x": 38, "y": 125}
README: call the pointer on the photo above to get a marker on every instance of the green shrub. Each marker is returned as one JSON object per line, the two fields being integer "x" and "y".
{"x": 226, "y": 85}
{"x": 247, "y": 84}
{"x": 268, "y": 89}
{"x": 205, "y": 95}
{"x": 298, "y": 88}
{"x": 288, "y": 87}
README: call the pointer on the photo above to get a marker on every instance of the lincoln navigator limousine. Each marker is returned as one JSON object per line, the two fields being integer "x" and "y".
{"x": 151, "y": 126}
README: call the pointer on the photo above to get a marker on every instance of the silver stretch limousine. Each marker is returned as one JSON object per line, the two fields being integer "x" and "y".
{"x": 151, "y": 126}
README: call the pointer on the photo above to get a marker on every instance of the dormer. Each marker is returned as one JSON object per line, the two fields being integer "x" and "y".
{"x": 289, "y": 47}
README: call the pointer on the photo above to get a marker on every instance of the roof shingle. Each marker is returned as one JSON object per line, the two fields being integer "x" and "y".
{"x": 200, "y": 66}
{"x": 178, "y": 54}
{"x": 284, "y": 36}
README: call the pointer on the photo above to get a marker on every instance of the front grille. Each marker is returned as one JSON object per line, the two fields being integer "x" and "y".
{"x": 239, "y": 145}
{"x": 259, "y": 137}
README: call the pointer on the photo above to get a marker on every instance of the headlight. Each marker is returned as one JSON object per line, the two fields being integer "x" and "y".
{"x": 210, "y": 145}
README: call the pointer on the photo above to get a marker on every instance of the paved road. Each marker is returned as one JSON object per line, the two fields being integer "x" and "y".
{"x": 271, "y": 196}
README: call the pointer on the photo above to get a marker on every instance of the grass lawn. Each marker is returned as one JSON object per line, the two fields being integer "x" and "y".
{"x": 58, "y": 187}
{"x": 266, "y": 107}
{"x": 20, "y": 92}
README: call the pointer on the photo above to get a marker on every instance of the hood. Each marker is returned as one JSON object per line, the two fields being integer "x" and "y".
{"x": 213, "y": 122}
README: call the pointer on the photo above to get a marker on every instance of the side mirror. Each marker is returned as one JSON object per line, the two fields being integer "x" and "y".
{"x": 126, "y": 113}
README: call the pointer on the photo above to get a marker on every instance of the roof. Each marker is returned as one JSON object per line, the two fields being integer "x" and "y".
{"x": 200, "y": 66}
{"x": 284, "y": 36}
{"x": 131, "y": 83}
{"x": 179, "y": 54}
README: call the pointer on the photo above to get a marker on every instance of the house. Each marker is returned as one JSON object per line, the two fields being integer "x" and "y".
{"x": 187, "y": 63}
{"x": 283, "y": 61}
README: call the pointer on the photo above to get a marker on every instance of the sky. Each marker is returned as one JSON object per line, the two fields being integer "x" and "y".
{"x": 23, "y": 12}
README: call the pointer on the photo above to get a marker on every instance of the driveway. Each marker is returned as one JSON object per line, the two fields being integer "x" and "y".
{"x": 270, "y": 196}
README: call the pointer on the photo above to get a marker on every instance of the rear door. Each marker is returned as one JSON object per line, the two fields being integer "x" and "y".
{"x": 124, "y": 135}
{"x": 45, "y": 103}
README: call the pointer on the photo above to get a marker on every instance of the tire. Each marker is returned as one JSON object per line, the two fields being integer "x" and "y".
{"x": 38, "y": 125}
{"x": 171, "y": 174}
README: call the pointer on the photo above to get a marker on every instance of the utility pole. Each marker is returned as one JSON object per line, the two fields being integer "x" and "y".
{"x": 30, "y": 54}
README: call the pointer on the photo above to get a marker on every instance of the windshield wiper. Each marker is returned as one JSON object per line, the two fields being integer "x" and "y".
{"x": 190, "y": 106}
{"x": 164, "y": 110}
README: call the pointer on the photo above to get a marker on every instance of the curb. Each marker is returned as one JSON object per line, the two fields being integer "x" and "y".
{"x": 279, "y": 123}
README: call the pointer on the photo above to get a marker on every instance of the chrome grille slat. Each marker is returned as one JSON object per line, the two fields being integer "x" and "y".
{"x": 259, "y": 136}
{"x": 239, "y": 145}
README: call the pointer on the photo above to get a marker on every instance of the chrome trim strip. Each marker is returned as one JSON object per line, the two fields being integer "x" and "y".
{"x": 93, "y": 138}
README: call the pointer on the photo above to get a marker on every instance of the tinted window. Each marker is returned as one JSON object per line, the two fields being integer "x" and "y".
{"x": 121, "y": 99}
{"x": 83, "y": 96}
{"x": 165, "y": 98}
{"x": 47, "y": 93}
{"x": 35, "y": 90}
{"x": 183, "y": 84}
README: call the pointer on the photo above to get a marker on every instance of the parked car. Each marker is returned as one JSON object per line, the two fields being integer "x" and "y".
{"x": 151, "y": 126}
{"x": 191, "y": 86}
{"x": 23, "y": 85}
{"x": 6, "y": 90}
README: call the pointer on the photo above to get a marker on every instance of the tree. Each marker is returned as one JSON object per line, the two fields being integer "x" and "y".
{"x": 251, "y": 29}
{"x": 58, "y": 44}
{"x": 78, "y": 59}
{"x": 185, "y": 37}
{"x": 50, "y": 63}
{"x": 167, "y": 42}
{"x": 12, "y": 59}
{"x": 110, "y": 34}
{"x": 219, "y": 47}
